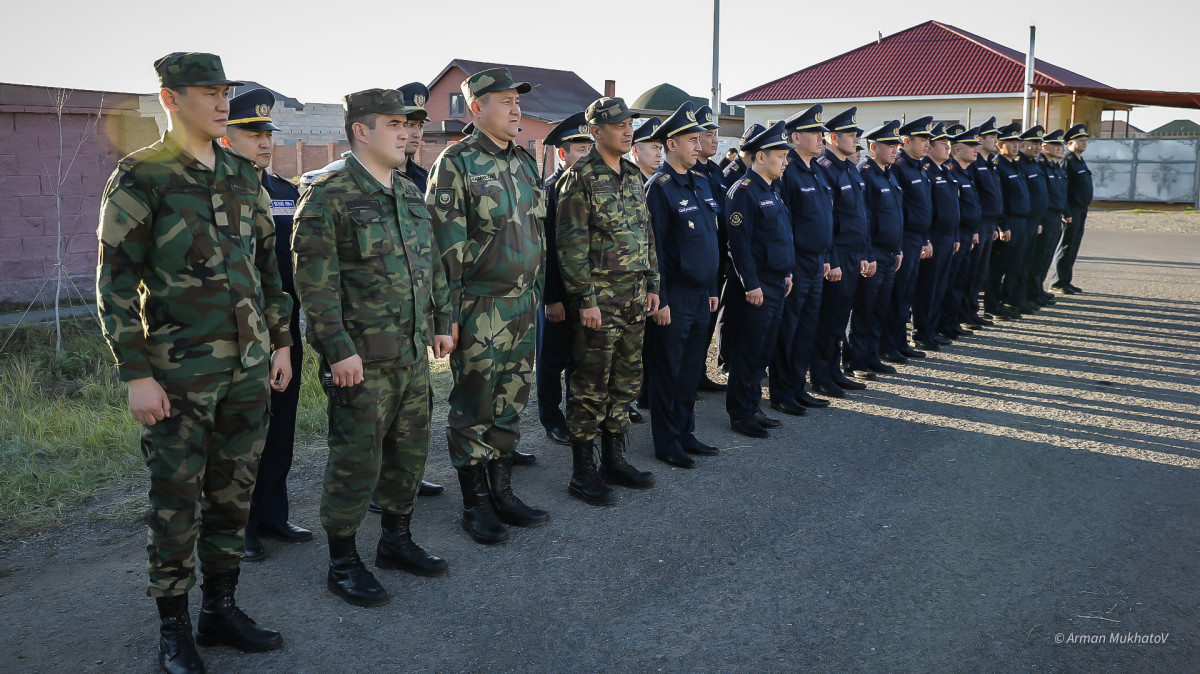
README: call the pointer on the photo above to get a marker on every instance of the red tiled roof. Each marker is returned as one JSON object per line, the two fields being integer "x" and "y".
{"x": 930, "y": 59}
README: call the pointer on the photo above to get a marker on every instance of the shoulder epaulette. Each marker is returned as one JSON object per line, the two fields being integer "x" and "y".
{"x": 137, "y": 157}
{"x": 824, "y": 161}
{"x": 663, "y": 178}
{"x": 744, "y": 182}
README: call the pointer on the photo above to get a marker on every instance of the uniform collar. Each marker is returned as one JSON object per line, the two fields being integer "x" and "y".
{"x": 757, "y": 179}
{"x": 184, "y": 157}
{"x": 487, "y": 144}
{"x": 685, "y": 177}
{"x": 794, "y": 158}
{"x": 363, "y": 177}
{"x": 598, "y": 163}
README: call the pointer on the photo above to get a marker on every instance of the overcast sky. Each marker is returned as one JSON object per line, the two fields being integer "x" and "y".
{"x": 318, "y": 51}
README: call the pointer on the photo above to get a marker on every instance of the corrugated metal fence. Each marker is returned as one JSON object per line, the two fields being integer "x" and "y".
{"x": 1162, "y": 170}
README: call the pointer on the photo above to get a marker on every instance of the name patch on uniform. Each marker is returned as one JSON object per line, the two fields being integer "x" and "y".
{"x": 180, "y": 189}
{"x": 283, "y": 207}
{"x": 884, "y": 190}
{"x": 735, "y": 219}
{"x": 808, "y": 189}
{"x": 689, "y": 209}
{"x": 362, "y": 204}
{"x": 244, "y": 189}
{"x": 478, "y": 177}
{"x": 767, "y": 202}
{"x": 845, "y": 187}
{"x": 918, "y": 181}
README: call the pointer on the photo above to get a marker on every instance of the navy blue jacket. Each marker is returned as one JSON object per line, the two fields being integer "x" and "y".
{"x": 810, "y": 199}
{"x": 945, "y": 199}
{"x": 1056, "y": 186}
{"x": 735, "y": 171}
{"x": 918, "y": 193}
{"x": 851, "y": 225}
{"x": 555, "y": 290}
{"x": 886, "y": 203}
{"x": 419, "y": 174}
{"x": 1039, "y": 193}
{"x": 760, "y": 231}
{"x": 1015, "y": 186}
{"x": 987, "y": 184}
{"x": 969, "y": 210}
{"x": 716, "y": 184}
{"x": 284, "y": 196}
{"x": 1079, "y": 183}
{"x": 684, "y": 215}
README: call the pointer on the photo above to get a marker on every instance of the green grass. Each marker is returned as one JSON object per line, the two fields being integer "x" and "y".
{"x": 65, "y": 428}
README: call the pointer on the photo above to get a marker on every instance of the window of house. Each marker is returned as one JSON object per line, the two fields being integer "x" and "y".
{"x": 458, "y": 107}
{"x": 533, "y": 147}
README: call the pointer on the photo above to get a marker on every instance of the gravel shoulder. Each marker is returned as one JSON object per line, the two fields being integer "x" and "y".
{"x": 1035, "y": 480}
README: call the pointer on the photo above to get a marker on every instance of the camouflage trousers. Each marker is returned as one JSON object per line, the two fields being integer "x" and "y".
{"x": 377, "y": 445}
{"x": 202, "y": 459}
{"x": 608, "y": 362}
{"x": 493, "y": 372}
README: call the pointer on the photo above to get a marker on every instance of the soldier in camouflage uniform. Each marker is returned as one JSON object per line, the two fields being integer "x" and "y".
{"x": 487, "y": 205}
{"x": 606, "y": 253}
{"x": 368, "y": 276}
{"x": 191, "y": 304}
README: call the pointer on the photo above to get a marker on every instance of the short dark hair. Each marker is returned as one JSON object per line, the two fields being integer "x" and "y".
{"x": 368, "y": 120}
{"x": 568, "y": 144}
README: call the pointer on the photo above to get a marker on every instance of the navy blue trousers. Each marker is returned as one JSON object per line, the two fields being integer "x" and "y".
{"x": 675, "y": 360}
{"x": 870, "y": 315}
{"x": 1043, "y": 253}
{"x": 932, "y": 279}
{"x": 1016, "y": 260}
{"x": 1068, "y": 248}
{"x": 837, "y": 300}
{"x": 954, "y": 304}
{"x": 895, "y": 332}
{"x": 977, "y": 271}
{"x": 754, "y": 331}
{"x": 269, "y": 500}
{"x": 797, "y": 331}
{"x": 553, "y": 357}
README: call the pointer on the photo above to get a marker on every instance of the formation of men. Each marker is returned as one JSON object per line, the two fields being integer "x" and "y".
{"x": 613, "y": 274}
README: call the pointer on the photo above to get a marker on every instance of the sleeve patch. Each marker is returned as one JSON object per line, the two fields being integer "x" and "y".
{"x": 444, "y": 197}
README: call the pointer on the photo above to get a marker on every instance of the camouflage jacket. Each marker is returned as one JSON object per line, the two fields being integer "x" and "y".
{"x": 187, "y": 281}
{"x": 366, "y": 268}
{"x": 603, "y": 228}
{"x": 488, "y": 205}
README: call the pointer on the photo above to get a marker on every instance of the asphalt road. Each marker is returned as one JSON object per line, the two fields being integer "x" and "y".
{"x": 1031, "y": 488}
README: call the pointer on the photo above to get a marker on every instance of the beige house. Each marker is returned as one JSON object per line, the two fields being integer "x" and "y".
{"x": 929, "y": 69}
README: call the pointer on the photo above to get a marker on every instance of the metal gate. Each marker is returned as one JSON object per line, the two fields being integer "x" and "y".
{"x": 1162, "y": 170}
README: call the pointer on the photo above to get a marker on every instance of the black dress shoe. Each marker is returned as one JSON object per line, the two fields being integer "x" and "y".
{"x": 788, "y": 407}
{"x": 830, "y": 390}
{"x": 909, "y": 352}
{"x": 694, "y": 446}
{"x": 429, "y": 489}
{"x": 875, "y": 366}
{"x": 1026, "y": 308}
{"x": 942, "y": 340}
{"x": 979, "y": 319}
{"x": 865, "y": 375}
{"x": 520, "y": 458}
{"x": 1074, "y": 288}
{"x": 927, "y": 345}
{"x": 707, "y": 384}
{"x": 767, "y": 422}
{"x": 1060, "y": 290}
{"x": 254, "y": 548}
{"x": 286, "y": 532}
{"x": 1048, "y": 298}
{"x": 808, "y": 400}
{"x": 847, "y": 384}
{"x": 987, "y": 315}
{"x": 634, "y": 415}
{"x": 558, "y": 435}
{"x": 749, "y": 428}
{"x": 893, "y": 357}
{"x": 678, "y": 460}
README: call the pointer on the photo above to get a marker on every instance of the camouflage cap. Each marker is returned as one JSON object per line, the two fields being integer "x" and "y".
{"x": 191, "y": 69}
{"x": 609, "y": 111}
{"x": 380, "y": 102}
{"x": 490, "y": 81}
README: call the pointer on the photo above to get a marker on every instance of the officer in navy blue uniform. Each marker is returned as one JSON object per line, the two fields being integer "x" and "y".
{"x": 569, "y": 139}
{"x": 885, "y": 203}
{"x": 760, "y": 243}
{"x": 851, "y": 259}
{"x": 1005, "y": 260}
{"x": 1079, "y": 197}
{"x": 1050, "y": 162}
{"x": 991, "y": 209}
{"x": 734, "y": 172}
{"x": 917, "y": 188}
{"x": 956, "y": 310}
{"x": 933, "y": 275}
{"x": 809, "y": 199}
{"x": 684, "y": 214}
{"x": 716, "y": 182}
{"x": 250, "y": 131}
{"x": 647, "y": 151}
{"x": 415, "y": 95}
{"x": 1039, "y": 203}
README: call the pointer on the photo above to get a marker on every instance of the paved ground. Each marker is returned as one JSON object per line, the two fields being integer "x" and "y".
{"x": 1036, "y": 483}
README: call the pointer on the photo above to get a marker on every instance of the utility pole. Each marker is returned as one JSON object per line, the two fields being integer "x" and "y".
{"x": 1028, "y": 79}
{"x": 716, "y": 83}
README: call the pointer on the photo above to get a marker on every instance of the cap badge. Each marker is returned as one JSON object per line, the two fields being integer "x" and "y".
{"x": 690, "y": 115}
{"x": 419, "y": 99}
{"x": 263, "y": 110}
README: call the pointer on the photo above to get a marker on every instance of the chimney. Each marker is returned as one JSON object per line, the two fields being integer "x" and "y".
{"x": 610, "y": 88}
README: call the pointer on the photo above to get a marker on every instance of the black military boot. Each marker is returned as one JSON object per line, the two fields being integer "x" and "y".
{"x": 585, "y": 483}
{"x": 396, "y": 549}
{"x": 614, "y": 469}
{"x": 176, "y": 649}
{"x": 509, "y": 508}
{"x": 478, "y": 518}
{"x": 222, "y": 623}
{"x": 349, "y": 577}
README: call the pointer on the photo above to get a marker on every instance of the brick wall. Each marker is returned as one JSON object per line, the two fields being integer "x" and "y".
{"x": 291, "y": 161}
{"x": 29, "y": 155}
